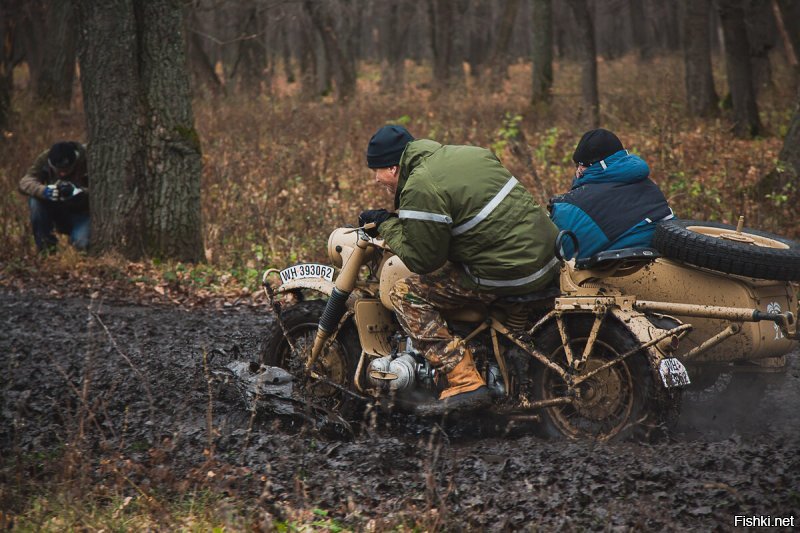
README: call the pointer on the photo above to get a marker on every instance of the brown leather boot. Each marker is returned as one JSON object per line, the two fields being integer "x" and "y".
{"x": 466, "y": 389}
{"x": 463, "y": 378}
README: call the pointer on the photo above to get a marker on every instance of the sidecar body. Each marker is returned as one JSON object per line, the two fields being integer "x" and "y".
{"x": 669, "y": 281}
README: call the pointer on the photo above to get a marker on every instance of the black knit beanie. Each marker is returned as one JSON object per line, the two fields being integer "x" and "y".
{"x": 62, "y": 155}
{"x": 386, "y": 146}
{"x": 596, "y": 145}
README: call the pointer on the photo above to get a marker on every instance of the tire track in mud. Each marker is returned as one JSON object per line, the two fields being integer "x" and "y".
{"x": 744, "y": 461}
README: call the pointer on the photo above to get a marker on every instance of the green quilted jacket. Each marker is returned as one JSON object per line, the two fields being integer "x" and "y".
{"x": 459, "y": 204}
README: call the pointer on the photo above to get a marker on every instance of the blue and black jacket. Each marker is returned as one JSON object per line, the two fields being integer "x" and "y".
{"x": 613, "y": 205}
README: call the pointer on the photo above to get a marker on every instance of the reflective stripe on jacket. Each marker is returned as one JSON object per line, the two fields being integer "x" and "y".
{"x": 459, "y": 204}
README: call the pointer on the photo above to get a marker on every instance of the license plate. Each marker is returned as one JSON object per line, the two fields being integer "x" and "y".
{"x": 673, "y": 373}
{"x": 307, "y": 270}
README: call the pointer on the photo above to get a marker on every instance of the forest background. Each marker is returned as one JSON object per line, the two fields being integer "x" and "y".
{"x": 285, "y": 95}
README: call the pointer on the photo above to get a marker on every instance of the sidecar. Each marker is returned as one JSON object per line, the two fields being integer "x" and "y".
{"x": 711, "y": 264}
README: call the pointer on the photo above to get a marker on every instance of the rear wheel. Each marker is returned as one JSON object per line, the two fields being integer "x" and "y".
{"x": 609, "y": 405}
{"x": 337, "y": 362}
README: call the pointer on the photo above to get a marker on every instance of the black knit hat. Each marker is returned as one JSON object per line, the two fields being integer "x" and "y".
{"x": 62, "y": 155}
{"x": 386, "y": 146}
{"x": 596, "y": 145}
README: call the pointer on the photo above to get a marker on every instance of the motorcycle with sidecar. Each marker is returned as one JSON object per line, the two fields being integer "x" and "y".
{"x": 602, "y": 356}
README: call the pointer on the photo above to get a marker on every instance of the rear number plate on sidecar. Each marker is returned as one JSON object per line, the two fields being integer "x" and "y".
{"x": 307, "y": 270}
{"x": 673, "y": 373}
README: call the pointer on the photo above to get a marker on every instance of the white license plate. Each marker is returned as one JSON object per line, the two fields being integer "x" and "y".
{"x": 673, "y": 373}
{"x": 307, "y": 270}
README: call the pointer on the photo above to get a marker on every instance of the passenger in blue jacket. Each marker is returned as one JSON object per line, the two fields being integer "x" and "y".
{"x": 613, "y": 203}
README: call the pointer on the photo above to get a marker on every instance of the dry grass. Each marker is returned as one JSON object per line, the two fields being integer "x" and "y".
{"x": 280, "y": 172}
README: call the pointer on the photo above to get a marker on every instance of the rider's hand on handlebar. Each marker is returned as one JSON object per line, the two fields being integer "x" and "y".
{"x": 378, "y": 216}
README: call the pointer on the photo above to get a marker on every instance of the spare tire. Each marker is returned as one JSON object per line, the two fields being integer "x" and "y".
{"x": 716, "y": 246}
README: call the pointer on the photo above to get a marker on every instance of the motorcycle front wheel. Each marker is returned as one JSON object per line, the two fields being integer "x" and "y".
{"x": 610, "y": 404}
{"x": 290, "y": 349}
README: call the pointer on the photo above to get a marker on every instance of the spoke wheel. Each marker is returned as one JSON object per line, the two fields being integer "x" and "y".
{"x": 337, "y": 362}
{"x": 608, "y": 405}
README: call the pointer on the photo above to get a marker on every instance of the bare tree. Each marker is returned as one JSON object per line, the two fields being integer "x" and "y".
{"x": 144, "y": 151}
{"x": 584, "y": 30}
{"x": 737, "y": 62}
{"x": 500, "y": 53}
{"x": 56, "y": 72}
{"x": 542, "y": 72}
{"x": 787, "y": 13}
{"x": 335, "y": 47}
{"x": 789, "y": 158}
{"x": 640, "y": 24}
{"x": 762, "y": 35}
{"x": 701, "y": 97}
{"x": 250, "y": 66}
{"x": 394, "y": 31}
{"x": 7, "y": 34}
{"x": 442, "y": 27}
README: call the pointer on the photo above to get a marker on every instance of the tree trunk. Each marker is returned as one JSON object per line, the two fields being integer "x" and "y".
{"x": 640, "y": 26}
{"x": 542, "y": 73}
{"x": 144, "y": 150}
{"x": 500, "y": 54}
{"x": 251, "y": 59}
{"x": 57, "y": 70}
{"x": 335, "y": 48}
{"x": 480, "y": 37}
{"x": 584, "y": 32}
{"x": 789, "y": 12}
{"x": 737, "y": 62}
{"x": 309, "y": 69}
{"x": 761, "y": 34}
{"x": 789, "y": 158}
{"x": 201, "y": 67}
{"x": 395, "y": 26}
{"x": 442, "y": 15}
{"x": 783, "y": 179}
{"x": 7, "y": 27}
{"x": 701, "y": 97}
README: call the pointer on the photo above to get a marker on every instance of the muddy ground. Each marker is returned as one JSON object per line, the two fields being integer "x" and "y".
{"x": 147, "y": 405}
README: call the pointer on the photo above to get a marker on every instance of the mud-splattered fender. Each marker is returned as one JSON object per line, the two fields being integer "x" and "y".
{"x": 642, "y": 329}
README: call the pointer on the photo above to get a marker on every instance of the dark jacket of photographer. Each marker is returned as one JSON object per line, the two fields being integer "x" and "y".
{"x": 40, "y": 174}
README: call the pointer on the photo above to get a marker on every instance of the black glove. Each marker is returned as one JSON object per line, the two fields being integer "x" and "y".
{"x": 65, "y": 189}
{"x": 378, "y": 216}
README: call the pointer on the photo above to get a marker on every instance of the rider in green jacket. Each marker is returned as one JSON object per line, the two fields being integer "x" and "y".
{"x": 468, "y": 230}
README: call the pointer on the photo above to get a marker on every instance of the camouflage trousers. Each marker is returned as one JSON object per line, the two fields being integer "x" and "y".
{"x": 418, "y": 301}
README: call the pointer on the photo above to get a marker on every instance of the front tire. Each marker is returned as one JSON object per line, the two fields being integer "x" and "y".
{"x": 337, "y": 363}
{"x": 613, "y": 403}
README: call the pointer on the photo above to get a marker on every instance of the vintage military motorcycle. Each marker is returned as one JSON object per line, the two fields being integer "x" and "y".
{"x": 585, "y": 360}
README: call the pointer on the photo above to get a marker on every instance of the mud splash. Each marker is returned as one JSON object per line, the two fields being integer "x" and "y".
{"x": 135, "y": 381}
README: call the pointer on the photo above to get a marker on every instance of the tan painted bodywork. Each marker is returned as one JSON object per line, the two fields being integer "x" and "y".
{"x": 375, "y": 325}
{"x": 668, "y": 281}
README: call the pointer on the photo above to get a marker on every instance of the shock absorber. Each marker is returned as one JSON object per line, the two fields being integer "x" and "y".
{"x": 517, "y": 317}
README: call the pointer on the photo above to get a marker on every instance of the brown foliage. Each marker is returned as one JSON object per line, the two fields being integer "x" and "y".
{"x": 281, "y": 172}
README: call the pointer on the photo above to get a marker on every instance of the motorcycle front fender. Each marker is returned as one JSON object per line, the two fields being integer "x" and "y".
{"x": 320, "y": 285}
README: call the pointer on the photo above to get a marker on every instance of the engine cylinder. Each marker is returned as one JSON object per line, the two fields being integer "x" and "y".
{"x": 393, "y": 374}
